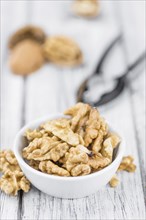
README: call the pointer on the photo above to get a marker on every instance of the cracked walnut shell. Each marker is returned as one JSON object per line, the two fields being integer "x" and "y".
{"x": 62, "y": 51}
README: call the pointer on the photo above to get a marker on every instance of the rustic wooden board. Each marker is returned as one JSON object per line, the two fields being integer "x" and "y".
{"x": 53, "y": 89}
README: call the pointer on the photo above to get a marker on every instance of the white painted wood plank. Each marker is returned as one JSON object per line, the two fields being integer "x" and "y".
{"x": 9, "y": 207}
{"x": 132, "y": 15}
{"x": 121, "y": 203}
{"x": 129, "y": 195}
{"x": 135, "y": 45}
{"x": 138, "y": 104}
{"x": 13, "y": 16}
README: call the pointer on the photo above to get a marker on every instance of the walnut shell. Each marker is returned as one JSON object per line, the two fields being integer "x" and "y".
{"x": 27, "y": 32}
{"x": 26, "y": 57}
{"x": 62, "y": 51}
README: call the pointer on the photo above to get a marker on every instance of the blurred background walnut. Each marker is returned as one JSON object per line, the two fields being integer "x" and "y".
{"x": 26, "y": 55}
{"x": 86, "y": 8}
{"x": 62, "y": 51}
{"x": 27, "y": 32}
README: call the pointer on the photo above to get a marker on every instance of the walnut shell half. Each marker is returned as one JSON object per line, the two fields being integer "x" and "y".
{"x": 27, "y": 32}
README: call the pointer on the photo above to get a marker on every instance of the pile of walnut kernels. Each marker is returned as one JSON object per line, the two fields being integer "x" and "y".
{"x": 71, "y": 146}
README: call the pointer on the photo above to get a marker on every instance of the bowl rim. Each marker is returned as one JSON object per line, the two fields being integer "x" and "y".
{"x": 23, "y": 163}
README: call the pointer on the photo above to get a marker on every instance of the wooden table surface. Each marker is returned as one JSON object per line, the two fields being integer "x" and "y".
{"x": 52, "y": 89}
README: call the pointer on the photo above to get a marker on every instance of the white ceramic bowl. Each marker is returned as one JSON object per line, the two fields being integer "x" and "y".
{"x": 64, "y": 187}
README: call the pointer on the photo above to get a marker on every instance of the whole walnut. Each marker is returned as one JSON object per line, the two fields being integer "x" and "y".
{"x": 26, "y": 57}
{"x": 26, "y": 54}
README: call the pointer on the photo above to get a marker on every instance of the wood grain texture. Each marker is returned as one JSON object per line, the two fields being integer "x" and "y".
{"x": 53, "y": 89}
{"x": 137, "y": 86}
{"x": 12, "y": 94}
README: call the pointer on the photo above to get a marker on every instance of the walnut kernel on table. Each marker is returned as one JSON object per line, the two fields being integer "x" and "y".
{"x": 86, "y": 8}
{"x": 12, "y": 182}
{"x": 127, "y": 164}
{"x": 8, "y": 161}
{"x": 13, "y": 178}
{"x": 114, "y": 182}
{"x": 62, "y": 51}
